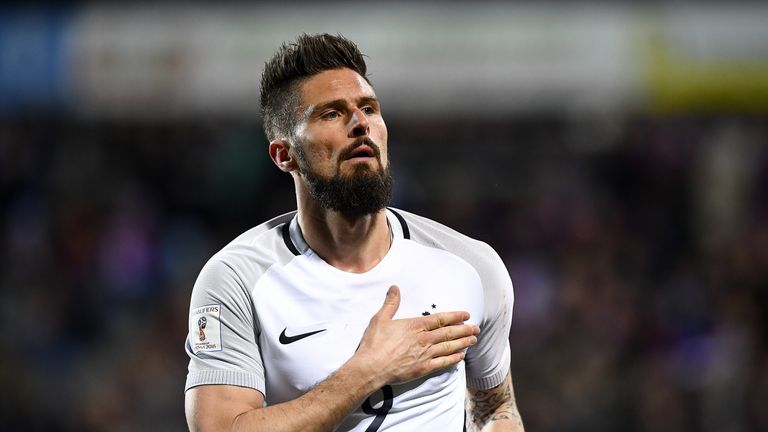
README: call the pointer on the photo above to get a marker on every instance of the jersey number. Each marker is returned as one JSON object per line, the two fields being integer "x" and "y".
{"x": 380, "y": 412}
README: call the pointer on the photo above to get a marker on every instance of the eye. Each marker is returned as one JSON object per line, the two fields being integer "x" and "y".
{"x": 331, "y": 115}
{"x": 368, "y": 109}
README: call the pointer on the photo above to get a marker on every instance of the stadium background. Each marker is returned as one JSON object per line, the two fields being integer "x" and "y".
{"x": 616, "y": 156}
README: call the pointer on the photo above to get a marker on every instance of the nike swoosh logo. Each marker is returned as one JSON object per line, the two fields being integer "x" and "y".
{"x": 285, "y": 340}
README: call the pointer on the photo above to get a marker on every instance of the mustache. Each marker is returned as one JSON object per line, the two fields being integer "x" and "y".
{"x": 359, "y": 142}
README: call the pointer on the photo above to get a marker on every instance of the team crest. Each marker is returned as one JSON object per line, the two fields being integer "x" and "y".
{"x": 205, "y": 328}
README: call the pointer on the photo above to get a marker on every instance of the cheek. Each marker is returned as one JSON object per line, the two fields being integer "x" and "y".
{"x": 381, "y": 139}
{"x": 324, "y": 145}
{"x": 320, "y": 158}
{"x": 381, "y": 128}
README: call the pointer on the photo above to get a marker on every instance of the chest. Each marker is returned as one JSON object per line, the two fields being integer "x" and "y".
{"x": 312, "y": 317}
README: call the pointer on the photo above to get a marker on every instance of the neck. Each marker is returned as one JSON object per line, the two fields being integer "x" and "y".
{"x": 354, "y": 245}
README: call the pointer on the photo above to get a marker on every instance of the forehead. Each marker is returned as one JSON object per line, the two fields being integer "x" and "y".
{"x": 333, "y": 85}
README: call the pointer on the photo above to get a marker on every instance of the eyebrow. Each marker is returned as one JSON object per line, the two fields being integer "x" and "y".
{"x": 340, "y": 103}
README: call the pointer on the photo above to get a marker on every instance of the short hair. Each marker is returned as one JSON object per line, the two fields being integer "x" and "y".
{"x": 290, "y": 66}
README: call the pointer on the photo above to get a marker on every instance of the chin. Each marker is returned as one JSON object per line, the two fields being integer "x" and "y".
{"x": 361, "y": 169}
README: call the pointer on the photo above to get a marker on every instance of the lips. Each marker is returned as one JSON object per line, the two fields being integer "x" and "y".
{"x": 361, "y": 151}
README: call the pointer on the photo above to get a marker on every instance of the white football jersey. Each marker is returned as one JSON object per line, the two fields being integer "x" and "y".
{"x": 269, "y": 314}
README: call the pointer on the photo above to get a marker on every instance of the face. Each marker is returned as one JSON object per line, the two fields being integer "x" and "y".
{"x": 339, "y": 108}
{"x": 340, "y": 143}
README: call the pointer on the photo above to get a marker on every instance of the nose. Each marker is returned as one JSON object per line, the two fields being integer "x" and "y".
{"x": 359, "y": 125}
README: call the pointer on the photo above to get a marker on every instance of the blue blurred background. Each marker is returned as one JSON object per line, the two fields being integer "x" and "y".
{"x": 616, "y": 156}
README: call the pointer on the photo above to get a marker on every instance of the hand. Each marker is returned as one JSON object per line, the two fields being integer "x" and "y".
{"x": 405, "y": 349}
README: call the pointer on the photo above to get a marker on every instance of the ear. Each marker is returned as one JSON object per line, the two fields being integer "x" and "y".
{"x": 280, "y": 153}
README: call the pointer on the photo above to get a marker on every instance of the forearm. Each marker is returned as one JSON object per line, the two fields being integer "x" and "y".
{"x": 494, "y": 410}
{"x": 322, "y": 408}
{"x": 505, "y": 420}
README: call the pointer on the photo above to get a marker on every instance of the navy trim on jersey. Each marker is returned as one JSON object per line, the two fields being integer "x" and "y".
{"x": 286, "y": 232}
{"x": 287, "y": 239}
{"x": 406, "y": 231}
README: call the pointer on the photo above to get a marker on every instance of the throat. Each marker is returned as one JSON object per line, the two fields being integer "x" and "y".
{"x": 354, "y": 248}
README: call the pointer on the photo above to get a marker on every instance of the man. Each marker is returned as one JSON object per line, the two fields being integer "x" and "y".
{"x": 346, "y": 315}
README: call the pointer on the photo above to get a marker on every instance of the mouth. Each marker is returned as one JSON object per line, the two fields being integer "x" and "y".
{"x": 361, "y": 152}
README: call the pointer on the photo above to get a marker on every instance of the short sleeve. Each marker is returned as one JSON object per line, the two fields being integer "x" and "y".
{"x": 488, "y": 361}
{"x": 222, "y": 342}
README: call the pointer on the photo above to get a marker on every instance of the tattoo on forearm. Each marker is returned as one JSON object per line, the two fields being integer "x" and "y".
{"x": 488, "y": 406}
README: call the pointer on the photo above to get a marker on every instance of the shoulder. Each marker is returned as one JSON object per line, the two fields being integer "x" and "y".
{"x": 481, "y": 256}
{"x": 431, "y": 233}
{"x": 249, "y": 255}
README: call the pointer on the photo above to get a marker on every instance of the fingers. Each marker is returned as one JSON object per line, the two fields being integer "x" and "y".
{"x": 446, "y": 361}
{"x": 391, "y": 303}
{"x": 453, "y": 332}
{"x": 414, "y": 347}
{"x": 448, "y": 353}
{"x": 451, "y": 347}
{"x": 447, "y": 326}
{"x": 446, "y": 341}
{"x": 442, "y": 319}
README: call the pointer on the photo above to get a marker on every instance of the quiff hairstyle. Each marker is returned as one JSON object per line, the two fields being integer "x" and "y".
{"x": 291, "y": 65}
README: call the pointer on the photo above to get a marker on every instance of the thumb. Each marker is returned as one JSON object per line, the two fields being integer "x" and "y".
{"x": 391, "y": 302}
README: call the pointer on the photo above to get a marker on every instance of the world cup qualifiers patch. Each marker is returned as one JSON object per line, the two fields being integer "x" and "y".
{"x": 205, "y": 328}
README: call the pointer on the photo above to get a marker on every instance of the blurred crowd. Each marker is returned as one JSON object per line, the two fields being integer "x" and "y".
{"x": 638, "y": 247}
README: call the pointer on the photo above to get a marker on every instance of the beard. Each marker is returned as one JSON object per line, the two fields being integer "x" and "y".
{"x": 363, "y": 192}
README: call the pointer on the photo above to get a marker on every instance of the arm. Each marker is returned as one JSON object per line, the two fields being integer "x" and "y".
{"x": 494, "y": 410}
{"x": 231, "y": 408}
{"x": 391, "y": 351}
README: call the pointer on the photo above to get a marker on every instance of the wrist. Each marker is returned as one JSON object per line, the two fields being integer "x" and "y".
{"x": 366, "y": 372}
